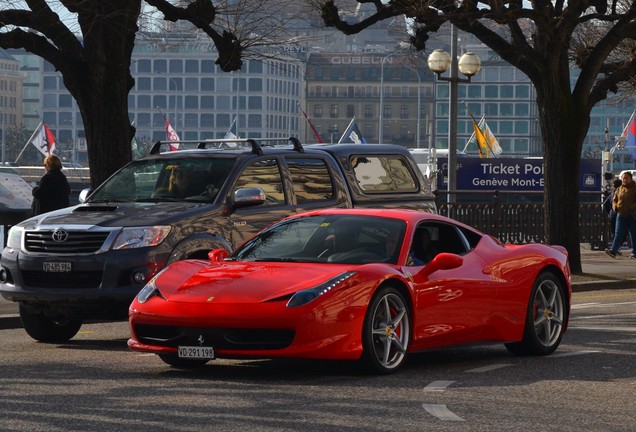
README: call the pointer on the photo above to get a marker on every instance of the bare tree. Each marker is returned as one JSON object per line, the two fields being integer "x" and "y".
{"x": 90, "y": 42}
{"x": 538, "y": 38}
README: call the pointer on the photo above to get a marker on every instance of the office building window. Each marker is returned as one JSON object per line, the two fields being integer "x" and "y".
{"x": 505, "y": 109}
{"x": 143, "y": 84}
{"x": 387, "y": 111}
{"x": 176, "y": 66}
{"x": 207, "y": 120}
{"x": 318, "y": 111}
{"x": 160, "y": 66}
{"x": 474, "y": 92}
{"x": 522, "y": 109}
{"x": 505, "y": 127}
{"x": 351, "y": 110}
{"x": 404, "y": 111}
{"x": 334, "y": 111}
{"x": 160, "y": 101}
{"x": 191, "y": 102}
{"x": 507, "y": 91}
{"x": 522, "y": 127}
{"x": 491, "y": 109}
{"x": 192, "y": 84}
{"x": 522, "y": 91}
{"x": 492, "y": 91}
{"x": 207, "y": 84}
{"x": 191, "y": 120}
{"x": 192, "y": 66}
{"x": 143, "y": 101}
{"x": 368, "y": 111}
{"x": 207, "y": 102}
{"x": 143, "y": 66}
{"x": 208, "y": 66}
{"x": 255, "y": 102}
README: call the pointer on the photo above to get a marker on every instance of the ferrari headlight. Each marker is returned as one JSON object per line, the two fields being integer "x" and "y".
{"x": 303, "y": 297}
{"x": 137, "y": 237}
{"x": 150, "y": 289}
{"x": 14, "y": 238}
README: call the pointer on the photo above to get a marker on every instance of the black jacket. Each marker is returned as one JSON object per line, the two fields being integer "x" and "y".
{"x": 51, "y": 194}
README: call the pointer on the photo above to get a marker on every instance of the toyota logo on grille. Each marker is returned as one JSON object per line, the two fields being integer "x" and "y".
{"x": 59, "y": 236}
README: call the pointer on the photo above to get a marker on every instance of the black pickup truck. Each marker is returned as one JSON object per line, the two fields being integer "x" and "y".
{"x": 88, "y": 261}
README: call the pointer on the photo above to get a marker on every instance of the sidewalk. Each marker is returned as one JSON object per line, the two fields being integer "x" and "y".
{"x": 600, "y": 271}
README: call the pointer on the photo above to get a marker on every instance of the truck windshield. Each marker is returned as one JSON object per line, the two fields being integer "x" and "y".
{"x": 176, "y": 179}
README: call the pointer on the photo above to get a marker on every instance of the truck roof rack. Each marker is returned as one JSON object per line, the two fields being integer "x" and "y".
{"x": 231, "y": 143}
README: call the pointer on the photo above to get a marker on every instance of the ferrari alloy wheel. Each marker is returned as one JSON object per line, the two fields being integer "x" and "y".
{"x": 545, "y": 318}
{"x": 176, "y": 361}
{"x": 386, "y": 332}
{"x": 44, "y": 328}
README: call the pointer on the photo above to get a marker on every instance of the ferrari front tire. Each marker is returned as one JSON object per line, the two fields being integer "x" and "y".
{"x": 386, "y": 332}
{"x": 181, "y": 363}
{"x": 545, "y": 318}
{"x": 44, "y": 328}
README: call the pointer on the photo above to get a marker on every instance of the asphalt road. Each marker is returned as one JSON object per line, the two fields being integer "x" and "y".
{"x": 95, "y": 383}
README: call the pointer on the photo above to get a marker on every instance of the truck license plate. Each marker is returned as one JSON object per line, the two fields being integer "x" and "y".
{"x": 57, "y": 267}
{"x": 196, "y": 352}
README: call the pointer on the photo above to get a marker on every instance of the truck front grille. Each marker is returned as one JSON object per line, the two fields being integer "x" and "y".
{"x": 73, "y": 242}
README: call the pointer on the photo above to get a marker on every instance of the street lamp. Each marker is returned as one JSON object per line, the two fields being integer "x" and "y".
{"x": 469, "y": 64}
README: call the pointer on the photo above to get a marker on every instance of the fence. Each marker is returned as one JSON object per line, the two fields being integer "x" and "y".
{"x": 521, "y": 222}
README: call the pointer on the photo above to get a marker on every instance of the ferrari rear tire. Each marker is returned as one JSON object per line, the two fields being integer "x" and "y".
{"x": 48, "y": 329}
{"x": 545, "y": 318}
{"x": 181, "y": 363}
{"x": 386, "y": 332}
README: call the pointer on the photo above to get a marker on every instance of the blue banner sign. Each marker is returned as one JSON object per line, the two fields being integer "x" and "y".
{"x": 508, "y": 174}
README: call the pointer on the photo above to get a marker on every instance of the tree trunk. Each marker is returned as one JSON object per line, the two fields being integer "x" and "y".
{"x": 565, "y": 122}
{"x": 99, "y": 79}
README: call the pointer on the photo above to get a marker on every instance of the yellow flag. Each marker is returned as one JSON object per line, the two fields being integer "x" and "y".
{"x": 482, "y": 144}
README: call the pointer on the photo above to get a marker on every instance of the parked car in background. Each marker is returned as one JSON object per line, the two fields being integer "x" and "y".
{"x": 89, "y": 261}
{"x": 355, "y": 284}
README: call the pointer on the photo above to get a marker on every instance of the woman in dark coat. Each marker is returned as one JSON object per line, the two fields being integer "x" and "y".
{"x": 53, "y": 191}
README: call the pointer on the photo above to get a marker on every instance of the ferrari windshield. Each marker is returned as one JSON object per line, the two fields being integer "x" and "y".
{"x": 175, "y": 179}
{"x": 350, "y": 239}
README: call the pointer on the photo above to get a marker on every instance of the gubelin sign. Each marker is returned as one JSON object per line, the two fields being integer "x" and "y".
{"x": 512, "y": 174}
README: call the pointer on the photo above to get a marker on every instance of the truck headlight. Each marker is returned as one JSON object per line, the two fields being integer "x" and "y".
{"x": 137, "y": 237}
{"x": 14, "y": 239}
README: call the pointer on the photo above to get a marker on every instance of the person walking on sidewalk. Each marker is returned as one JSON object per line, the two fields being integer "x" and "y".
{"x": 607, "y": 208}
{"x": 624, "y": 204}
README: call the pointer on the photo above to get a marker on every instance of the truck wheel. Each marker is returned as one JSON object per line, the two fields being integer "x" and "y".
{"x": 45, "y": 329}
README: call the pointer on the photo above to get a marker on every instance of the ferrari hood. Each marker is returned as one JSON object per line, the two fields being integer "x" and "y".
{"x": 248, "y": 282}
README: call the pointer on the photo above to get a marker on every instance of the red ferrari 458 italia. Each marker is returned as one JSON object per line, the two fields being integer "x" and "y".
{"x": 356, "y": 284}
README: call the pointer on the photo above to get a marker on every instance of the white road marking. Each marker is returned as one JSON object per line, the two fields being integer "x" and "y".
{"x": 584, "y": 305}
{"x": 588, "y": 305}
{"x": 603, "y": 316}
{"x": 570, "y": 354}
{"x": 438, "y": 385}
{"x": 489, "y": 368}
{"x": 441, "y": 412}
{"x": 604, "y": 328}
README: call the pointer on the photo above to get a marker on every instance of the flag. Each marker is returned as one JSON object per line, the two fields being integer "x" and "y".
{"x": 493, "y": 144}
{"x": 482, "y": 144}
{"x": 171, "y": 135}
{"x": 352, "y": 133}
{"x": 44, "y": 140}
{"x": 630, "y": 134}
{"x": 231, "y": 135}
{"x": 134, "y": 145}
{"x": 488, "y": 145}
{"x": 310, "y": 125}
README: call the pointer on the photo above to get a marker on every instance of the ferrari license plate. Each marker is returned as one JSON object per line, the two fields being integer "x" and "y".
{"x": 195, "y": 352}
{"x": 57, "y": 267}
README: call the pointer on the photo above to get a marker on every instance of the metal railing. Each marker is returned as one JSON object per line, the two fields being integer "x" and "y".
{"x": 511, "y": 221}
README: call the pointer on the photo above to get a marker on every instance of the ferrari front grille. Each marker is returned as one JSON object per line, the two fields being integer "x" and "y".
{"x": 230, "y": 339}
